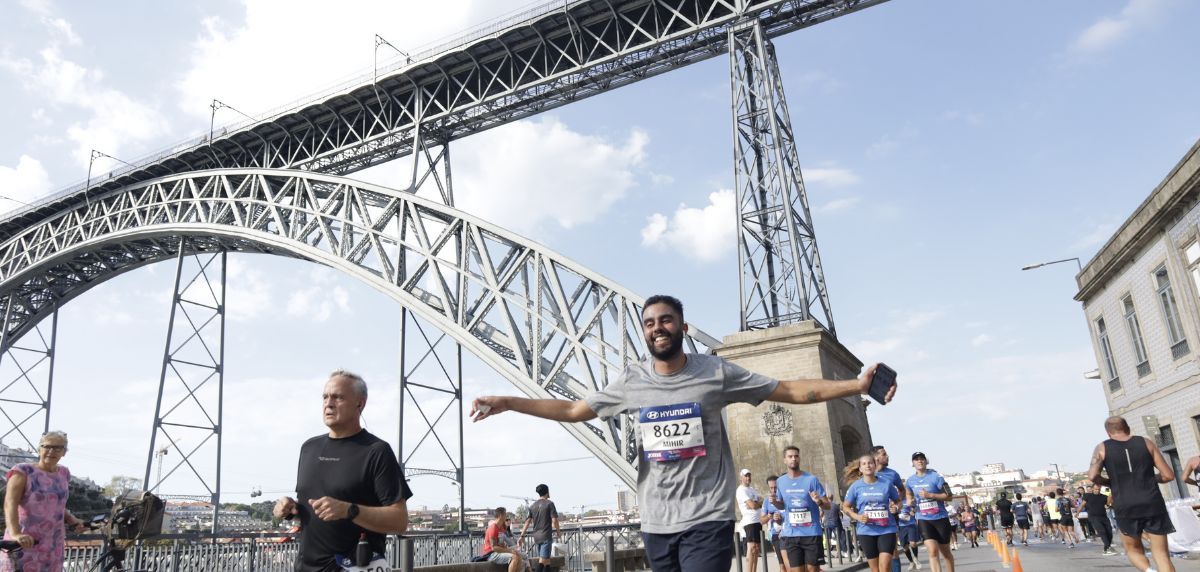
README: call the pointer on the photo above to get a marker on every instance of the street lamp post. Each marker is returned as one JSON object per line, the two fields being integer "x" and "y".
{"x": 1041, "y": 264}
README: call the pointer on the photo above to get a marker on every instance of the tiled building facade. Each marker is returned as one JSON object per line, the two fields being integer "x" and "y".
{"x": 1141, "y": 297}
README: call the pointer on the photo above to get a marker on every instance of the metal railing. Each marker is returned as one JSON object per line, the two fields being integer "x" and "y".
{"x": 276, "y": 552}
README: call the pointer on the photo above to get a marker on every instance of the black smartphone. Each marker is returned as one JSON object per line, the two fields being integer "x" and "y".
{"x": 881, "y": 382}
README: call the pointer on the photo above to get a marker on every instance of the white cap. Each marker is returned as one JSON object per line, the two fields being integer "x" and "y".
{"x": 745, "y": 472}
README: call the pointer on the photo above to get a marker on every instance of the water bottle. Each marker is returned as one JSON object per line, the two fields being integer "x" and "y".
{"x": 362, "y": 552}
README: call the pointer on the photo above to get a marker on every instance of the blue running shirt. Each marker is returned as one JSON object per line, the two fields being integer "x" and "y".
{"x": 890, "y": 474}
{"x": 801, "y": 515}
{"x": 932, "y": 483}
{"x": 873, "y": 500}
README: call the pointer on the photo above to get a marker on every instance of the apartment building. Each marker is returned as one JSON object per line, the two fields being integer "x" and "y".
{"x": 1141, "y": 298}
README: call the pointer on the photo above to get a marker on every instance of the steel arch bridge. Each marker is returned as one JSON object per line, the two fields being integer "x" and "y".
{"x": 549, "y": 325}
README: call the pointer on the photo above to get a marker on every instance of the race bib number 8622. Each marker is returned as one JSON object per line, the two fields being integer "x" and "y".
{"x": 672, "y": 432}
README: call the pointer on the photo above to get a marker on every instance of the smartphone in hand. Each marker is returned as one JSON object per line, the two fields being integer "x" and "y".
{"x": 881, "y": 382}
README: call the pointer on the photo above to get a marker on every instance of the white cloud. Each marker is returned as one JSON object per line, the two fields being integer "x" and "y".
{"x": 830, "y": 176}
{"x": 980, "y": 340}
{"x": 1109, "y": 31}
{"x": 1097, "y": 235}
{"x": 705, "y": 234}
{"x": 319, "y": 301}
{"x": 249, "y": 288}
{"x": 308, "y": 54}
{"x": 882, "y": 147}
{"x": 527, "y": 174}
{"x": 113, "y": 121}
{"x": 24, "y": 183}
{"x": 838, "y": 205}
{"x": 967, "y": 117}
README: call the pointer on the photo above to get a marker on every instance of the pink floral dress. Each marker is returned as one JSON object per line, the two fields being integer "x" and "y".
{"x": 41, "y": 512}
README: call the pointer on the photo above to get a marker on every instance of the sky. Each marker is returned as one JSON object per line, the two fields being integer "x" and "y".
{"x": 944, "y": 146}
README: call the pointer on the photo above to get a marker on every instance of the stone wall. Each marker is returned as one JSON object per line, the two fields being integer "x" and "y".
{"x": 825, "y": 433}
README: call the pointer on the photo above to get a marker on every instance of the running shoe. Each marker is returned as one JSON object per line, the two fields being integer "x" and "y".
{"x": 1110, "y": 552}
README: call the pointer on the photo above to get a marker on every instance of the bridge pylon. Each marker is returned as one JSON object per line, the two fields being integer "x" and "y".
{"x": 782, "y": 281}
{"x": 191, "y": 388}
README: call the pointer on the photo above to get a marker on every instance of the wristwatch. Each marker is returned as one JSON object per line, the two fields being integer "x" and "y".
{"x": 352, "y": 512}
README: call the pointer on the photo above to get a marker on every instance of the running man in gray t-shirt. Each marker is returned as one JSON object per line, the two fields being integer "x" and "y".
{"x": 686, "y": 475}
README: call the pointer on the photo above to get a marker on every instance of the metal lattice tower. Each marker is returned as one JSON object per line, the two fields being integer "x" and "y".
{"x": 781, "y": 277}
{"x": 188, "y": 412}
{"x": 27, "y": 374}
{"x": 431, "y": 387}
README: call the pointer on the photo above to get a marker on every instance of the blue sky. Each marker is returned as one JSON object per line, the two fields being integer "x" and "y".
{"x": 944, "y": 144}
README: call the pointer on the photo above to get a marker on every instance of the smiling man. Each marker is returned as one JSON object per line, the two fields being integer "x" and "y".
{"x": 349, "y": 483}
{"x": 685, "y": 469}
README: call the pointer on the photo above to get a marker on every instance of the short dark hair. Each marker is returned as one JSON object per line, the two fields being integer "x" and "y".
{"x": 772, "y": 478}
{"x": 542, "y": 490}
{"x": 792, "y": 448}
{"x": 876, "y": 449}
{"x": 671, "y": 301}
{"x": 1018, "y": 496}
{"x": 500, "y": 511}
{"x": 1116, "y": 424}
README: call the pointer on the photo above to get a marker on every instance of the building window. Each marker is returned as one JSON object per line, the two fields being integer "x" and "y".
{"x": 1135, "y": 334}
{"x": 1166, "y": 299}
{"x": 1192, "y": 254}
{"x": 1166, "y": 442}
{"x": 1110, "y": 368}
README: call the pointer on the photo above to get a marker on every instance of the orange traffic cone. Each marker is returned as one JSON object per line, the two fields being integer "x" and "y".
{"x": 1016, "y": 562}
{"x": 1004, "y": 560}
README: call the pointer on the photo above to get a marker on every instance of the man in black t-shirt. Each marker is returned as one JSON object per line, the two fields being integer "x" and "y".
{"x": 348, "y": 483}
{"x": 1097, "y": 505}
{"x": 1004, "y": 507}
{"x": 1133, "y": 467}
{"x": 544, "y": 517}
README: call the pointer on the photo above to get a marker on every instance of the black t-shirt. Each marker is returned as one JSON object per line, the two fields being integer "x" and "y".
{"x": 1005, "y": 507}
{"x": 1095, "y": 504}
{"x": 542, "y": 513}
{"x": 360, "y": 469}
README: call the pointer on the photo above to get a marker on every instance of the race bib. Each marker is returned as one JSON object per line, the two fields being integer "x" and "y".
{"x": 378, "y": 564}
{"x": 928, "y": 507}
{"x": 877, "y": 514}
{"x": 672, "y": 432}
{"x": 802, "y": 517}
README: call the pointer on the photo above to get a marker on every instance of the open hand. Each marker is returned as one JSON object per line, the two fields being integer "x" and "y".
{"x": 487, "y": 406}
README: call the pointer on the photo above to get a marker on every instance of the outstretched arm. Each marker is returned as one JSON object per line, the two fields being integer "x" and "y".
{"x": 820, "y": 390}
{"x": 552, "y": 409}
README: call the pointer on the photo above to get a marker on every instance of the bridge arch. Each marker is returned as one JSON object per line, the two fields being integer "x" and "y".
{"x": 551, "y": 327}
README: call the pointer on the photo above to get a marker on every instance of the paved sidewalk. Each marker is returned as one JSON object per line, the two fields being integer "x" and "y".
{"x": 1039, "y": 557}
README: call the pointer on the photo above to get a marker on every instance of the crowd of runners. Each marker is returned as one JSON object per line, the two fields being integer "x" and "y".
{"x": 686, "y": 480}
{"x": 883, "y": 515}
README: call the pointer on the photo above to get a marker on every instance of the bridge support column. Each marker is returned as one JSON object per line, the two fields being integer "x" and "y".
{"x": 828, "y": 434}
{"x": 782, "y": 281}
{"x": 430, "y": 361}
{"x": 190, "y": 406}
{"x": 27, "y": 378}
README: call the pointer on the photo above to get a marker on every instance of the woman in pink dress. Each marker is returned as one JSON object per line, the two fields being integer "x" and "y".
{"x": 35, "y": 507}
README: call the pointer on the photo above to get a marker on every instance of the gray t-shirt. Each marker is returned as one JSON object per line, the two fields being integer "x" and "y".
{"x": 685, "y": 473}
{"x": 542, "y": 514}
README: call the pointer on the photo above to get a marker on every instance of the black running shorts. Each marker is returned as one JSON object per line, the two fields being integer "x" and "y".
{"x": 873, "y": 546}
{"x": 806, "y": 550}
{"x": 937, "y": 530}
{"x": 1134, "y": 527}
